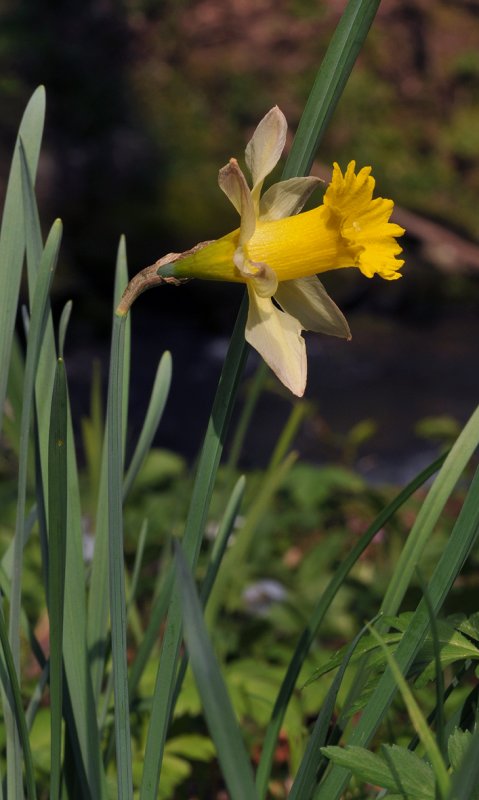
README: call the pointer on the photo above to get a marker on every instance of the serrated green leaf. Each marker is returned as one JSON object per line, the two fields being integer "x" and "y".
{"x": 367, "y": 645}
{"x": 457, "y": 746}
{"x": 191, "y": 745}
{"x": 398, "y": 770}
{"x": 470, "y": 626}
{"x": 465, "y": 780}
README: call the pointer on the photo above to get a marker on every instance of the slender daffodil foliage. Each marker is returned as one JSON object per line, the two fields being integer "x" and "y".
{"x": 278, "y": 251}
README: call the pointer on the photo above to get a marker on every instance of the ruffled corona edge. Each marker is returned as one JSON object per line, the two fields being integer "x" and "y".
{"x": 364, "y": 222}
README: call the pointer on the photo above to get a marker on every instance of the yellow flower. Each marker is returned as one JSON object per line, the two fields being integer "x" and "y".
{"x": 278, "y": 251}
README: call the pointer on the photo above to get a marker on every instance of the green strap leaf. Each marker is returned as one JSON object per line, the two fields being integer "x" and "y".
{"x": 57, "y": 531}
{"x": 13, "y": 691}
{"x": 12, "y": 233}
{"x": 116, "y": 562}
{"x": 333, "y": 74}
{"x": 222, "y": 723}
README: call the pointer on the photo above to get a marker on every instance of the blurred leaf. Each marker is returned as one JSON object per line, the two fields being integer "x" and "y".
{"x": 192, "y": 746}
{"x": 311, "y": 486}
{"x": 160, "y": 468}
{"x": 219, "y": 714}
{"x": 438, "y": 428}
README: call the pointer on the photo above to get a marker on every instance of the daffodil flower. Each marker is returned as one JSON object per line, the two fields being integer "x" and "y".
{"x": 277, "y": 251}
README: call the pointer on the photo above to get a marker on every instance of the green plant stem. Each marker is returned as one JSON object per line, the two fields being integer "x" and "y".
{"x": 333, "y": 74}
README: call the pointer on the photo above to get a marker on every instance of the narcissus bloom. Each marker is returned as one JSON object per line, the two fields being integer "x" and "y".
{"x": 277, "y": 251}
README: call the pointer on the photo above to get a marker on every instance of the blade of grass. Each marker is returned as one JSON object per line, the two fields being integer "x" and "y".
{"x": 63, "y": 326}
{"x": 97, "y": 630}
{"x": 306, "y": 778}
{"x": 36, "y": 331}
{"x": 298, "y": 413}
{"x": 93, "y": 434}
{"x": 57, "y": 522}
{"x": 12, "y": 233}
{"x": 116, "y": 572}
{"x": 135, "y": 575}
{"x": 461, "y": 540}
{"x": 219, "y": 548}
{"x": 222, "y": 538}
{"x": 316, "y": 619}
{"x": 13, "y": 692}
{"x": 156, "y": 406}
{"x": 131, "y": 598}
{"x": 7, "y": 560}
{"x": 220, "y": 717}
{"x": 150, "y": 639}
{"x": 253, "y": 394}
{"x": 439, "y": 677}
{"x": 11, "y": 421}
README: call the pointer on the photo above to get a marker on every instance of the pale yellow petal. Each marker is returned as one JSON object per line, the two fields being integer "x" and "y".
{"x": 286, "y": 198}
{"x": 265, "y": 147}
{"x": 233, "y": 183}
{"x": 277, "y": 337}
{"x": 307, "y": 300}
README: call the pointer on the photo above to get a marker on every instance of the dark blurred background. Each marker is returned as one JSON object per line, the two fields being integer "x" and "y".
{"x": 147, "y": 99}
